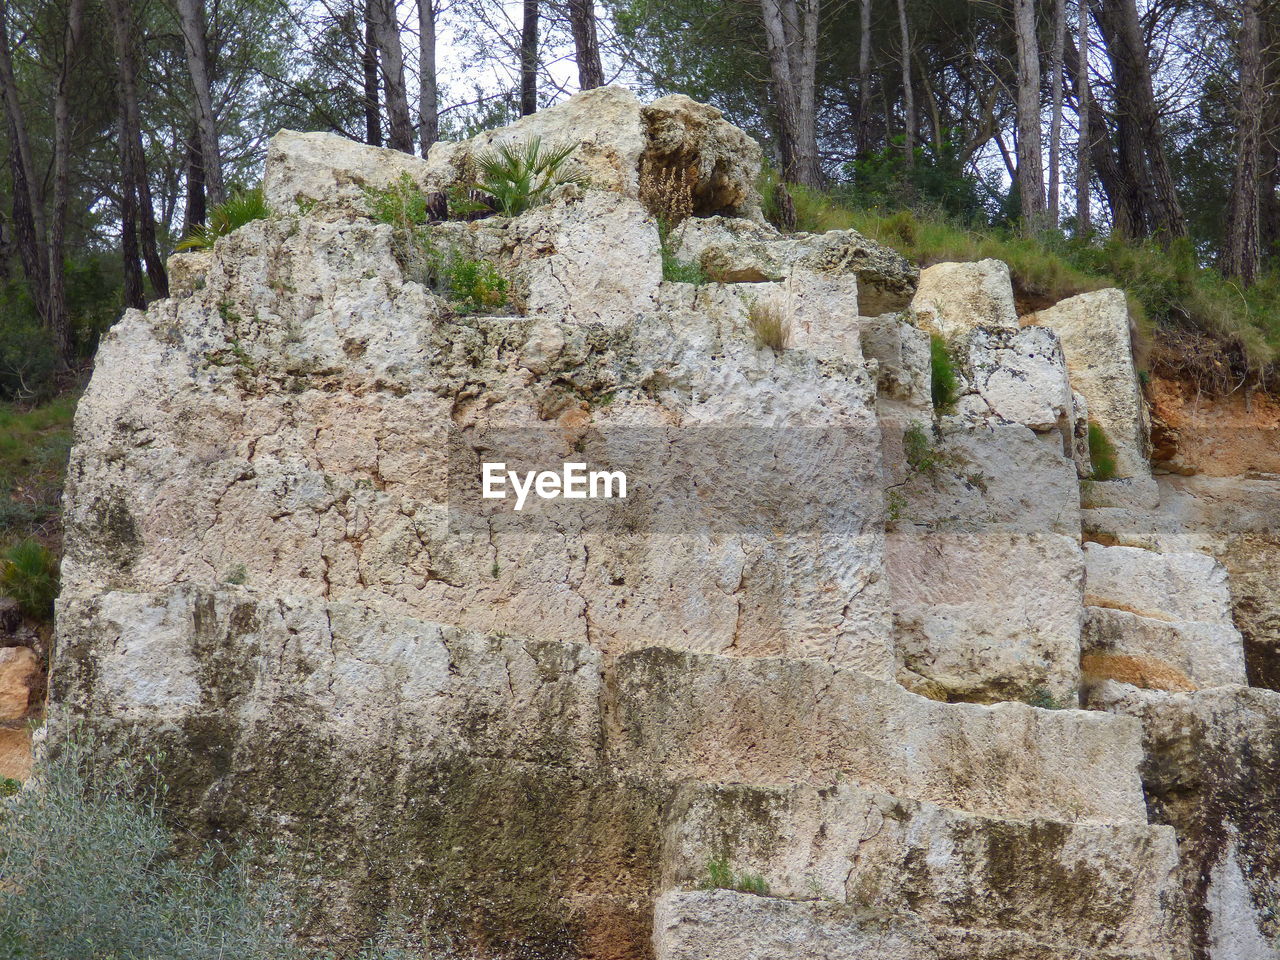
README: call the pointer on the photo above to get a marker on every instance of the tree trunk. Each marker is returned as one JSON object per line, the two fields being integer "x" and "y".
{"x": 28, "y": 226}
{"x": 1083, "y": 225}
{"x": 1030, "y": 163}
{"x": 132, "y": 155}
{"x": 133, "y": 292}
{"x": 1055, "y": 114}
{"x": 386, "y": 33}
{"x": 195, "y": 39}
{"x": 59, "y": 323}
{"x": 428, "y": 89}
{"x": 1140, "y": 137}
{"x": 908, "y": 98}
{"x": 582, "y": 20}
{"x": 791, "y": 38}
{"x": 1241, "y": 250}
{"x": 529, "y": 59}
{"x": 864, "y": 79}
{"x": 369, "y": 68}
{"x": 197, "y": 209}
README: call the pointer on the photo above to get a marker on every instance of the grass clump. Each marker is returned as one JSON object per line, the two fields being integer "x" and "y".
{"x": 519, "y": 176}
{"x": 1102, "y": 453}
{"x": 243, "y": 206}
{"x": 944, "y": 385}
{"x": 721, "y": 877}
{"x": 29, "y": 575}
{"x": 770, "y": 326}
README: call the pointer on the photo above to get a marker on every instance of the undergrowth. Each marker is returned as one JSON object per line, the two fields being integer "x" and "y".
{"x": 1198, "y": 323}
{"x": 92, "y": 870}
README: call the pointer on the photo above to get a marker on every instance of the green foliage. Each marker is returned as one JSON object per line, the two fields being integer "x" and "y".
{"x": 917, "y": 447}
{"x": 519, "y": 176}
{"x": 27, "y": 358}
{"x": 721, "y": 877}
{"x": 944, "y": 385}
{"x": 92, "y": 870}
{"x": 115, "y": 887}
{"x": 241, "y": 207}
{"x": 1102, "y": 453}
{"x": 937, "y": 180}
{"x": 402, "y": 205}
{"x": 29, "y": 574}
{"x": 473, "y": 286}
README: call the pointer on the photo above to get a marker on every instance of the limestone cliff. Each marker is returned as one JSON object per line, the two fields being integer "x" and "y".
{"x": 847, "y": 673}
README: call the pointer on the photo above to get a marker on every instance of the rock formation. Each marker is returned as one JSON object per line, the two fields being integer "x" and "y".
{"x": 844, "y": 675}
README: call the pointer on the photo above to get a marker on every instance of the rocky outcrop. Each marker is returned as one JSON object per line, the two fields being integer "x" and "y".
{"x": 814, "y": 687}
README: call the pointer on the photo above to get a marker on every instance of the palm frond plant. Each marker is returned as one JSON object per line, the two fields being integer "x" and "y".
{"x": 520, "y": 175}
{"x": 243, "y": 206}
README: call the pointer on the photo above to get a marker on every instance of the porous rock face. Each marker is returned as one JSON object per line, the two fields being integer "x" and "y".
{"x": 810, "y": 690}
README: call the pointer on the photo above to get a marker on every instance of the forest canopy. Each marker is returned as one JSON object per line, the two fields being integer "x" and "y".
{"x": 1088, "y": 142}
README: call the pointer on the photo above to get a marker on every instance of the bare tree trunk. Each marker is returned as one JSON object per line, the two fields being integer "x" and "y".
{"x": 1030, "y": 162}
{"x": 28, "y": 226}
{"x": 133, "y": 292}
{"x": 59, "y": 323}
{"x": 791, "y": 38}
{"x": 529, "y": 59}
{"x": 1083, "y": 180}
{"x": 1141, "y": 139}
{"x": 134, "y": 159}
{"x": 582, "y": 20}
{"x": 195, "y": 38}
{"x": 1241, "y": 251}
{"x": 196, "y": 210}
{"x": 864, "y": 79}
{"x": 386, "y": 34}
{"x": 369, "y": 68}
{"x": 1055, "y": 115}
{"x": 908, "y": 98}
{"x": 428, "y": 89}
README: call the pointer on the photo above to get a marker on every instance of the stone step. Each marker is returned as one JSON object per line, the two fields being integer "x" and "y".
{"x": 1160, "y": 654}
{"x": 703, "y": 924}
{"x": 1112, "y": 887}
{"x": 708, "y": 718}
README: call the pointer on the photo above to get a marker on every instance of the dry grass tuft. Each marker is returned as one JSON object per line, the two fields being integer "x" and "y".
{"x": 770, "y": 325}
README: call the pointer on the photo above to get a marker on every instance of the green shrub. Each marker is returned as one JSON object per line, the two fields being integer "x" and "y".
{"x": 519, "y": 176}
{"x": 721, "y": 877}
{"x": 29, "y": 574}
{"x": 402, "y": 205}
{"x": 473, "y": 286}
{"x": 1102, "y": 453}
{"x": 243, "y": 206}
{"x": 918, "y": 449}
{"x": 1042, "y": 698}
{"x": 91, "y": 871}
{"x": 944, "y": 385}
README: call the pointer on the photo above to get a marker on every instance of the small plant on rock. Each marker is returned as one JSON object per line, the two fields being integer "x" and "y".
{"x": 519, "y": 176}
{"x": 918, "y": 449}
{"x": 943, "y": 383}
{"x": 473, "y": 286}
{"x": 243, "y": 206}
{"x": 720, "y": 876}
{"x": 770, "y": 325}
{"x": 668, "y": 196}
{"x": 29, "y": 574}
{"x": 1102, "y": 453}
